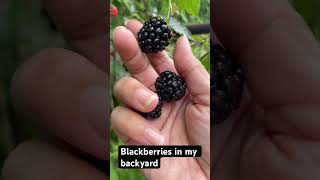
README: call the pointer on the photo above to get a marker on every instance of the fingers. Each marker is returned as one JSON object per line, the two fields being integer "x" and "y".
{"x": 277, "y": 50}
{"x": 67, "y": 95}
{"x": 160, "y": 61}
{"x": 133, "y": 126}
{"x": 190, "y": 68}
{"x": 84, "y": 25}
{"x": 136, "y": 95}
{"x": 39, "y": 160}
{"x": 133, "y": 58}
{"x": 134, "y": 26}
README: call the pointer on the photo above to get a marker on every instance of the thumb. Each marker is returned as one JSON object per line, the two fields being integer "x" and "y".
{"x": 198, "y": 82}
{"x": 189, "y": 67}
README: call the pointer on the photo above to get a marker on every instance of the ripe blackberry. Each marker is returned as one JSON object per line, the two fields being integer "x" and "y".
{"x": 154, "y": 35}
{"x": 156, "y": 113}
{"x": 226, "y": 84}
{"x": 170, "y": 87}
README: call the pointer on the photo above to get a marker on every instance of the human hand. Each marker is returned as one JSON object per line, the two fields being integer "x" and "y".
{"x": 65, "y": 92}
{"x": 185, "y": 122}
{"x": 275, "y": 133}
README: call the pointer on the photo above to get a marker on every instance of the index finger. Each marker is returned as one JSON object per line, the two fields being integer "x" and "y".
{"x": 133, "y": 58}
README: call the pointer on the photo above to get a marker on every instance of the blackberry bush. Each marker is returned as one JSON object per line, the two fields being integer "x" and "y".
{"x": 154, "y": 36}
{"x": 170, "y": 86}
{"x": 226, "y": 84}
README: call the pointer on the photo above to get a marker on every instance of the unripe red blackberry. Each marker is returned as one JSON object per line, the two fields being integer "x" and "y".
{"x": 113, "y": 11}
{"x": 154, "y": 35}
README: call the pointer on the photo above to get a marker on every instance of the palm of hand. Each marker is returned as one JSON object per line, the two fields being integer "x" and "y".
{"x": 254, "y": 145}
{"x": 176, "y": 125}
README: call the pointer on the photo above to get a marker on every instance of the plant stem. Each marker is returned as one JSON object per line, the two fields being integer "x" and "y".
{"x": 169, "y": 12}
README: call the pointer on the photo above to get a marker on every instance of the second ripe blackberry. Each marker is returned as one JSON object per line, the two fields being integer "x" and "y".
{"x": 154, "y": 36}
{"x": 170, "y": 86}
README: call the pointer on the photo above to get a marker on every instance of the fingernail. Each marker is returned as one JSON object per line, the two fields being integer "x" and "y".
{"x": 145, "y": 98}
{"x": 118, "y": 27}
{"x": 126, "y": 22}
{"x": 153, "y": 136}
{"x": 186, "y": 38}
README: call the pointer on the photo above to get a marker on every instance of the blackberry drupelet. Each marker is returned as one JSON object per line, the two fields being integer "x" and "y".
{"x": 154, "y": 36}
{"x": 226, "y": 84}
{"x": 156, "y": 113}
{"x": 170, "y": 86}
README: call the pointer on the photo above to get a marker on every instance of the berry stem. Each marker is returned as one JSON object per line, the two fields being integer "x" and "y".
{"x": 169, "y": 12}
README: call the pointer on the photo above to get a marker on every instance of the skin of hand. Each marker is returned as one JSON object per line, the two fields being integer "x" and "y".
{"x": 65, "y": 93}
{"x": 185, "y": 122}
{"x": 275, "y": 134}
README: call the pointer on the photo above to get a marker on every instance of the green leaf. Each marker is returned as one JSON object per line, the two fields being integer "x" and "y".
{"x": 113, "y": 173}
{"x": 179, "y": 28}
{"x": 191, "y": 6}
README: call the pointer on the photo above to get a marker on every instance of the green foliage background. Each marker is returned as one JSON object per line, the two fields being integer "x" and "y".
{"x": 26, "y": 30}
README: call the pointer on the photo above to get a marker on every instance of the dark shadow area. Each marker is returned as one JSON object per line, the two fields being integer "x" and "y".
{"x": 53, "y": 89}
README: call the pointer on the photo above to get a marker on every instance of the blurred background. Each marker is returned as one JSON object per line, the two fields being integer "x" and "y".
{"x": 26, "y": 29}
